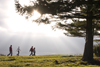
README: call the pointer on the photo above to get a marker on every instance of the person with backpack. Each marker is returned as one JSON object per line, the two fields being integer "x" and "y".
{"x": 10, "y": 50}
{"x": 31, "y": 50}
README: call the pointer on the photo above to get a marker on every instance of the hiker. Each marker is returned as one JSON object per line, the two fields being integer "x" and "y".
{"x": 10, "y": 50}
{"x": 34, "y": 51}
{"x": 31, "y": 49}
{"x": 18, "y": 50}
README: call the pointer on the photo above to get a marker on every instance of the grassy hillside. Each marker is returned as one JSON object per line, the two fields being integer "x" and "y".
{"x": 46, "y": 61}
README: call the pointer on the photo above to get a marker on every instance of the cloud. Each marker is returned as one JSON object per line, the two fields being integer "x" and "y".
{"x": 4, "y": 8}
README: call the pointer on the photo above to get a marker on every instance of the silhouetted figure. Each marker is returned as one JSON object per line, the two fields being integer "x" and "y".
{"x": 18, "y": 50}
{"x": 34, "y": 51}
{"x": 10, "y": 50}
{"x": 31, "y": 49}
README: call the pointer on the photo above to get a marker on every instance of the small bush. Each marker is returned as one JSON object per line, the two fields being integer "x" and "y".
{"x": 2, "y": 55}
{"x": 96, "y": 49}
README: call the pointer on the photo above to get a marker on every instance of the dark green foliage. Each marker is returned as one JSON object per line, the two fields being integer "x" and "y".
{"x": 78, "y": 28}
{"x": 68, "y": 9}
{"x": 74, "y": 29}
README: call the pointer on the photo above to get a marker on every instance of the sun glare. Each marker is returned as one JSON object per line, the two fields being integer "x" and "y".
{"x": 35, "y": 16}
{"x": 17, "y": 23}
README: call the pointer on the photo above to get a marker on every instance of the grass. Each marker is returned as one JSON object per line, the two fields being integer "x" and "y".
{"x": 46, "y": 61}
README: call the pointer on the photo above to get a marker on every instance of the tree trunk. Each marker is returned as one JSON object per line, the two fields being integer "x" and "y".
{"x": 88, "y": 51}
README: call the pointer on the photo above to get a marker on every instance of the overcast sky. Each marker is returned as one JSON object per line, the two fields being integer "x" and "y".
{"x": 15, "y": 30}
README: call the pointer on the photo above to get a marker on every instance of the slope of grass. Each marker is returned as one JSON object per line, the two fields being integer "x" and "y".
{"x": 46, "y": 61}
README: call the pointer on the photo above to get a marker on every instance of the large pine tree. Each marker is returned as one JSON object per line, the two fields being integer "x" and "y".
{"x": 65, "y": 9}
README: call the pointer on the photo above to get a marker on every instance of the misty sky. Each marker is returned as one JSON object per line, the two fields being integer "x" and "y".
{"x": 15, "y": 30}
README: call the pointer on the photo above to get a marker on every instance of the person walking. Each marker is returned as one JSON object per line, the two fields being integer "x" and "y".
{"x": 18, "y": 50}
{"x": 10, "y": 50}
{"x": 34, "y": 51}
{"x": 31, "y": 49}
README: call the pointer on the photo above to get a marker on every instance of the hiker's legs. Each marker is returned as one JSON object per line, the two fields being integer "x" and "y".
{"x": 34, "y": 53}
{"x": 18, "y": 53}
{"x": 31, "y": 53}
{"x": 8, "y": 54}
{"x": 11, "y": 53}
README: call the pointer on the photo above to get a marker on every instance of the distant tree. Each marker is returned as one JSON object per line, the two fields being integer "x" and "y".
{"x": 2, "y": 55}
{"x": 88, "y": 10}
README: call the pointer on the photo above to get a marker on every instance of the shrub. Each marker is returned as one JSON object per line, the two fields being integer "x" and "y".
{"x": 2, "y": 55}
{"x": 96, "y": 49}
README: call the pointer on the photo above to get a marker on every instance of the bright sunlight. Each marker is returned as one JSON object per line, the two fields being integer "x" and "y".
{"x": 17, "y": 23}
{"x": 35, "y": 16}
{"x": 19, "y": 31}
